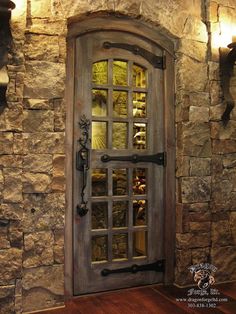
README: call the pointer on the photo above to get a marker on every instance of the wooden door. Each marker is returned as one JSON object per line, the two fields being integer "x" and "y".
{"x": 118, "y": 192}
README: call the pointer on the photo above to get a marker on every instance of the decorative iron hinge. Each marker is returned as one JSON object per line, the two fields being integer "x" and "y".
{"x": 157, "y": 61}
{"x": 159, "y": 158}
{"x": 158, "y": 266}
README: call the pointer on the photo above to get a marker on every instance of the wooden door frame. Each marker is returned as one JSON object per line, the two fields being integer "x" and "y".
{"x": 78, "y": 26}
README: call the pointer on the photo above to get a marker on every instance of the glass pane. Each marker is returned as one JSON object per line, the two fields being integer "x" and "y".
{"x": 99, "y": 215}
{"x": 139, "y": 213}
{"x": 99, "y": 248}
{"x": 139, "y": 140}
{"x": 119, "y": 135}
{"x": 120, "y": 100}
{"x": 99, "y": 182}
{"x": 119, "y": 73}
{"x": 140, "y": 243}
{"x": 139, "y": 105}
{"x": 119, "y": 179}
{"x": 100, "y": 72}
{"x": 139, "y": 76}
{"x": 120, "y": 214}
{"x": 99, "y": 135}
{"x": 99, "y": 105}
{"x": 139, "y": 181}
{"x": 119, "y": 246}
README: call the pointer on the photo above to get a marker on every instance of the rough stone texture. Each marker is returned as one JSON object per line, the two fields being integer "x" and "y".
{"x": 37, "y": 163}
{"x": 10, "y": 265}
{"x": 196, "y": 189}
{"x": 12, "y": 192}
{"x": 38, "y": 249}
{"x": 44, "y": 79}
{"x": 36, "y": 183}
{"x": 194, "y": 139}
{"x": 43, "y": 286}
{"x": 7, "y": 299}
{"x": 224, "y": 258}
{"x": 43, "y": 211}
{"x": 38, "y": 121}
{"x": 44, "y": 143}
{"x": 200, "y": 167}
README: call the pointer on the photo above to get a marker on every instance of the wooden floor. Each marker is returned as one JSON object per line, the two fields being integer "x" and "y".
{"x": 155, "y": 299}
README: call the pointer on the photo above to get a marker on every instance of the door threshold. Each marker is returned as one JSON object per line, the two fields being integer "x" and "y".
{"x": 115, "y": 291}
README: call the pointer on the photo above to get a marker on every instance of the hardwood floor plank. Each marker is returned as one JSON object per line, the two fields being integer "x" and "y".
{"x": 145, "y": 300}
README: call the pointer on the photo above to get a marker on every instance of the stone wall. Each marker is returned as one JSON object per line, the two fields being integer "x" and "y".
{"x": 32, "y": 182}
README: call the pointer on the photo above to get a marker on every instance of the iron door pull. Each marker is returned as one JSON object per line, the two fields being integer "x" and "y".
{"x": 159, "y": 158}
{"x": 158, "y": 266}
{"x": 82, "y": 163}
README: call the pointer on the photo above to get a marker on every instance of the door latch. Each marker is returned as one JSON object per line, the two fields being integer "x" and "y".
{"x": 82, "y": 163}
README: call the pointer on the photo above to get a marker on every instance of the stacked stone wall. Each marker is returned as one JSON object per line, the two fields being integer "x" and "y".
{"x": 32, "y": 151}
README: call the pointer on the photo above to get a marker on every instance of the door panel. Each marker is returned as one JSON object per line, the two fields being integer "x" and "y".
{"x": 120, "y": 93}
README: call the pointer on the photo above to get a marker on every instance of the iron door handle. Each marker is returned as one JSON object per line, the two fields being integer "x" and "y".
{"x": 82, "y": 163}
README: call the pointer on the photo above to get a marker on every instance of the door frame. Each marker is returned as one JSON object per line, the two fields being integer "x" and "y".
{"x": 81, "y": 25}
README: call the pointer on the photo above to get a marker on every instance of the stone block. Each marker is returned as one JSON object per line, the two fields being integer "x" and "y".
{"x": 218, "y": 131}
{"x": 194, "y": 139}
{"x": 38, "y": 249}
{"x": 42, "y": 47}
{"x": 198, "y": 227}
{"x": 44, "y": 80}
{"x": 44, "y": 143}
{"x": 216, "y": 112}
{"x": 194, "y": 49}
{"x": 13, "y": 119}
{"x": 43, "y": 287}
{"x": 38, "y": 121}
{"x": 200, "y": 114}
{"x": 36, "y": 182}
{"x": 6, "y": 142}
{"x": 11, "y": 211}
{"x": 229, "y": 161}
{"x": 213, "y": 12}
{"x": 12, "y": 192}
{"x": 11, "y": 161}
{"x": 38, "y": 163}
{"x": 196, "y": 189}
{"x": 186, "y": 69}
{"x": 223, "y": 146}
{"x": 10, "y": 265}
{"x": 200, "y": 166}
{"x": 43, "y": 211}
{"x": 48, "y": 26}
{"x": 221, "y": 234}
{"x": 40, "y": 8}
{"x": 214, "y": 71}
{"x": 200, "y": 216}
{"x": 183, "y": 258}
{"x": 224, "y": 258}
{"x": 182, "y": 166}
{"x": 200, "y": 256}
{"x": 221, "y": 187}
{"x": 7, "y": 299}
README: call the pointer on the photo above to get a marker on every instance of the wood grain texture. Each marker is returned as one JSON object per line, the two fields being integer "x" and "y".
{"x": 156, "y": 299}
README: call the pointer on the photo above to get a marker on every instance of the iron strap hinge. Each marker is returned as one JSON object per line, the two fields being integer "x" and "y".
{"x": 158, "y": 266}
{"x": 159, "y": 158}
{"x": 157, "y": 61}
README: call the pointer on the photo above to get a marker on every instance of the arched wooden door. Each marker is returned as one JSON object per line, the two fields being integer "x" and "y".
{"x": 119, "y": 162}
